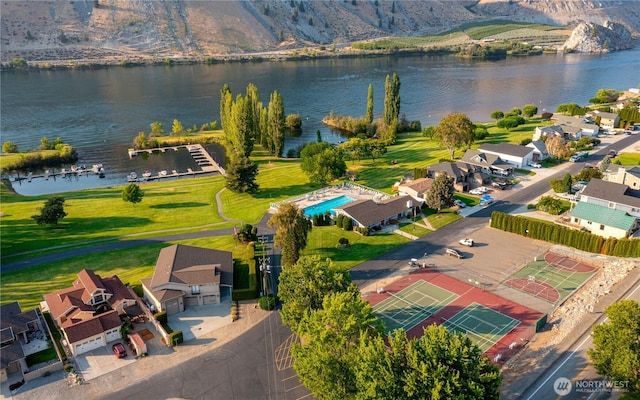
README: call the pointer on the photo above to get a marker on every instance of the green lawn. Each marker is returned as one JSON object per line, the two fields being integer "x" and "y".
{"x": 628, "y": 159}
{"x": 415, "y": 229}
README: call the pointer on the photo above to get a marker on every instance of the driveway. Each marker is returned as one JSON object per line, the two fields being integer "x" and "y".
{"x": 194, "y": 322}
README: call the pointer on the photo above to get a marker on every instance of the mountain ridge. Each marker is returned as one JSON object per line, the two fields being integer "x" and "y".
{"x": 148, "y": 29}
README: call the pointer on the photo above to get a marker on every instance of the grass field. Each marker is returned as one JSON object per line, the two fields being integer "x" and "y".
{"x": 629, "y": 159}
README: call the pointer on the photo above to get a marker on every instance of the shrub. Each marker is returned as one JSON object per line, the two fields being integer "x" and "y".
{"x": 267, "y": 302}
{"x": 161, "y": 317}
{"x": 550, "y": 205}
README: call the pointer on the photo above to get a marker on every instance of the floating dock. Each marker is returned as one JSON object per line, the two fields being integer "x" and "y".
{"x": 200, "y": 155}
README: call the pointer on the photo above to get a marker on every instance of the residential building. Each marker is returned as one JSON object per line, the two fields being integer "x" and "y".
{"x": 188, "y": 276}
{"x": 416, "y": 188}
{"x": 542, "y": 132}
{"x": 575, "y": 127}
{"x": 539, "y": 150}
{"x": 629, "y": 176}
{"x": 88, "y": 313}
{"x": 15, "y": 327}
{"x": 485, "y": 164}
{"x": 372, "y": 215}
{"x": 608, "y": 120}
{"x": 458, "y": 171}
{"x": 520, "y": 156}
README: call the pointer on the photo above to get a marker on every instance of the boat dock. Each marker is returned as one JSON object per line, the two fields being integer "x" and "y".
{"x": 200, "y": 155}
{"x": 80, "y": 170}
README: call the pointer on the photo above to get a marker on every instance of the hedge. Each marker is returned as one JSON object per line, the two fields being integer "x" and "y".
{"x": 175, "y": 338}
{"x": 252, "y": 292}
{"x": 550, "y": 232}
{"x": 160, "y": 317}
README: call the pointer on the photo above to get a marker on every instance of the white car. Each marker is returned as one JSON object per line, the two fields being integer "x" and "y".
{"x": 535, "y": 165}
{"x": 478, "y": 190}
{"x": 467, "y": 242}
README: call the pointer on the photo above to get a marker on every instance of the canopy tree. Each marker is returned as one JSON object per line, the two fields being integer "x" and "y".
{"x": 369, "y": 115}
{"x": 439, "y": 365}
{"x": 440, "y": 194}
{"x": 322, "y": 162}
{"x": 454, "y": 130}
{"x": 276, "y": 124}
{"x": 303, "y": 286}
{"x": 132, "y": 193}
{"x": 292, "y": 229}
{"x": 325, "y": 361}
{"x": 616, "y": 345}
{"x": 51, "y": 212}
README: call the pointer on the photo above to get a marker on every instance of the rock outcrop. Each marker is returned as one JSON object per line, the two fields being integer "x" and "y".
{"x": 589, "y": 37}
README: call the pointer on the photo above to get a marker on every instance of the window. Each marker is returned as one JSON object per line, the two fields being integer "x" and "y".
{"x": 98, "y": 299}
{"x": 601, "y": 227}
{"x": 611, "y": 204}
{"x": 195, "y": 289}
{"x": 576, "y": 220}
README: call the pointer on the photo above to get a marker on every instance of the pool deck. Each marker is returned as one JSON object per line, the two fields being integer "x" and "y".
{"x": 354, "y": 191}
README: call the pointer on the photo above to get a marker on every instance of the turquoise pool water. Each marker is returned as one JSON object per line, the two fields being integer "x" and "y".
{"x": 327, "y": 205}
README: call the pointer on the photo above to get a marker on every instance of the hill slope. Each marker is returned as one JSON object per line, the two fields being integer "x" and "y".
{"x": 143, "y": 29}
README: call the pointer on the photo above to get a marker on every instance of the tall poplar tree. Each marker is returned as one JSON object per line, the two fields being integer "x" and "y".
{"x": 391, "y": 110}
{"x": 369, "y": 116}
{"x": 292, "y": 229}
{"x": 276, "y": 125}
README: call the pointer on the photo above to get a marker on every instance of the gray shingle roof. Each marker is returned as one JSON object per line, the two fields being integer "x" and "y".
{"x": 192, "y": 265}
{"x": 505, "y": 148}
{"x": 611, "y": 191}
{"x": 368, "y": 212}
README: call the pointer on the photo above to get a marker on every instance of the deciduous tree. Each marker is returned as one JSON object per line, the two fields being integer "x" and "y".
{"x": 497, "y": 115}
{"x": 454, "y": 130}
{"x": 322, "y": 162}
{"x": 438, "y": 365}
{"x": 303, "y": 286}
{"x": 51, "y": 212}
{"x": 9, "y": 147}
{"x": 529, "y": 110}
{"x": 292, "y": 229}
{"x": 616, "y": 344}
{"x": 276, "y": 123}
{"x": 177, "y": 127}
{"x": 369, "y": 115}
{"x": 558, "y": 147}
{"x": 132, "y": 193}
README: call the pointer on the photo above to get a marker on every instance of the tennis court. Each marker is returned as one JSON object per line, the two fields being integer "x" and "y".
{"x": 484, "y": 326}
{"x": 542, "y": 279}
{"x": 412, "y": 305}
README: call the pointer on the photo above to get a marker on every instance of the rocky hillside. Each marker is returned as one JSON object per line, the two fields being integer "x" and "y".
{"x": 150, "y": 29}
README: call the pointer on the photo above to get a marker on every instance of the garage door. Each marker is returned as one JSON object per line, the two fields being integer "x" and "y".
{"x": 191, "y": 301}
{"x": 213, "y": 299}
{"x": 88, "y": 346}
{"x": 172, "y": 307}
{"x": 115, "y": 335}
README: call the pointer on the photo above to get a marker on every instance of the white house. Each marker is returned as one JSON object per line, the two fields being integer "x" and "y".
{"x": 539, "y": 150}
{"x": 519, "y": 156}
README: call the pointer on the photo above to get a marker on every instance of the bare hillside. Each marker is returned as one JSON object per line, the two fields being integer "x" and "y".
{"x": 104, "y": 30}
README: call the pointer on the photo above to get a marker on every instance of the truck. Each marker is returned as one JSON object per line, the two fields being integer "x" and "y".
{"x": 579, "y": 156}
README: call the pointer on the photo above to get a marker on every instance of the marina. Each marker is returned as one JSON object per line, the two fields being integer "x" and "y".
{"x": 96, "y": 169}
{"x": 200, "y": 155}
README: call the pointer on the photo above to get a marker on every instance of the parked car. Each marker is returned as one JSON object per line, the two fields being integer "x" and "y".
{"x": 459, "y": 203}
{"x": 612, "y": 153}
{"x": 119, "y": 350}
{"x": 453, "y": 253}
{"x": 486, "y": 200}
{"x": 466, "y": 242}
{"x": 478, "y": 190}
{"x": 499, "y": 185}
{"x": 535, "y": 165}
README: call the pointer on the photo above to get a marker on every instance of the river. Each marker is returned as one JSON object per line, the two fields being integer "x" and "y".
{"x": 101, "y": 111}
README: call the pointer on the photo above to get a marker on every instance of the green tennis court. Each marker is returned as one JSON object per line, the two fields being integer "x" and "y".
{"x": 412, "y": 305}
{"x": 565, "y": 281}
{"x": 484, "y": 326}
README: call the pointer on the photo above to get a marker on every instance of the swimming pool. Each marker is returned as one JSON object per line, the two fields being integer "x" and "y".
{"x": 327, "y": 205}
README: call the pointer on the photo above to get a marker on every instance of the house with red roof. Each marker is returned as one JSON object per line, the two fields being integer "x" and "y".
{"x": 88, "y": 313}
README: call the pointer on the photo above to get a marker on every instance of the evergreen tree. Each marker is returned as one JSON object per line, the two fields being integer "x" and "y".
{"x": 440, "y": 194}
{"x": 241, "y": 174}
{"x": 132, "y": 193}
{"x": 51, "y": 212}
{"x": 292, "y": 229}
{"x": 369, "y": 115}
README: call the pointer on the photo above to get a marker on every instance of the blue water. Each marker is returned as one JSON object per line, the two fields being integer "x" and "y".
{"x": 327, "y": 205}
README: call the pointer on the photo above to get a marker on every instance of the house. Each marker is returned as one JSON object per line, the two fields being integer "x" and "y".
{"x": 542, "y": 132}
{"x": 603, "y": 221}
{"x": 539, "y": 150}
{"x": 612, "y": 195}
{"x": 608, "y": 120}
{"x": 575, "y": 128}
{"x": 88, "y": 313}
{"x": 15, "y": 327}
{"x": 629, "y": 176}
{"x": 416, "y": 188}
{"x": 372, "y": 215}
{"x": 458, "y": 171}
{"x": 520, "y": 156}
{"x": 483, "y": 164}
{"x": 188, "y": 276}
